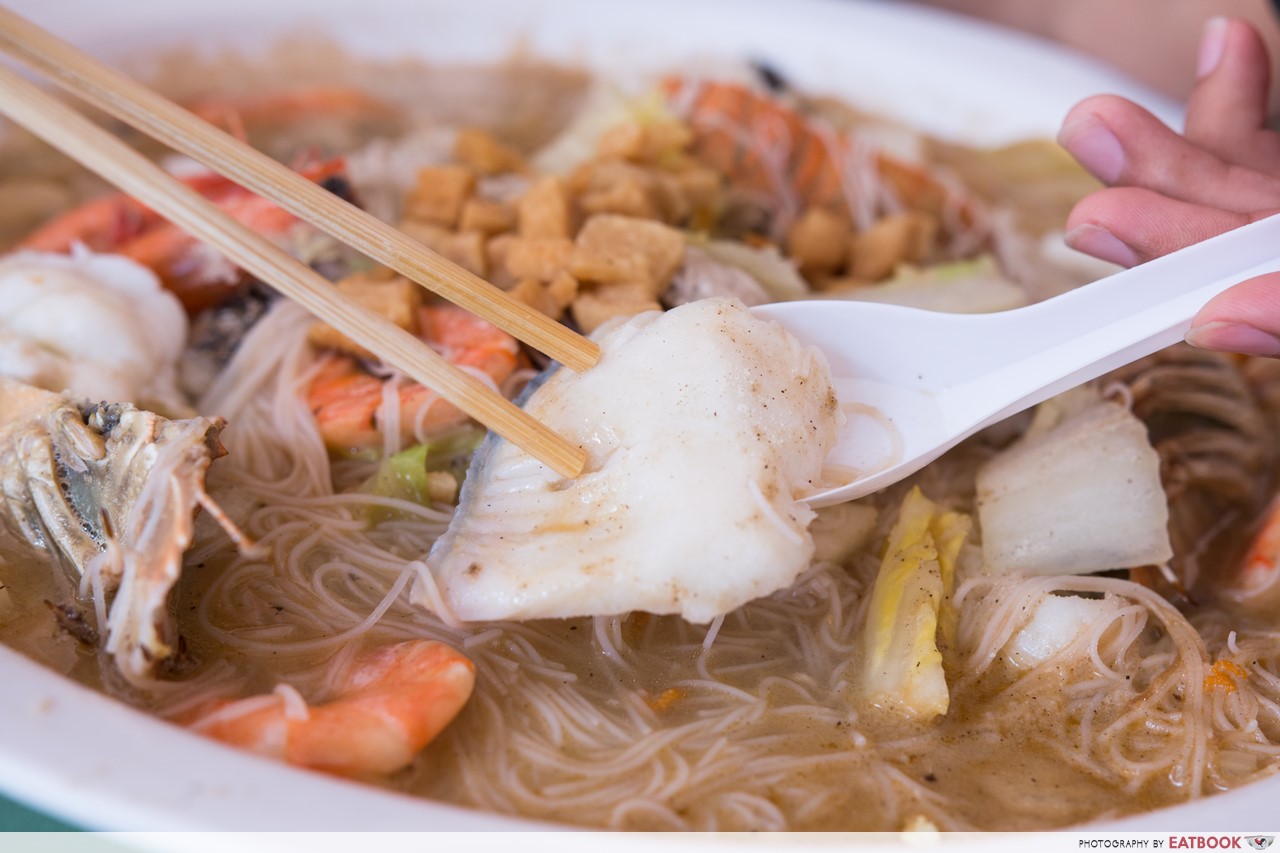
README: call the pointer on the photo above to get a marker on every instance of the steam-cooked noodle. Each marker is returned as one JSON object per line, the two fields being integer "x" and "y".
{"x": 651, "y": 722}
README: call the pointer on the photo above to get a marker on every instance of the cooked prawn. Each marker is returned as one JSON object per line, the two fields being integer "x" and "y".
{"x": 106, "y": 223}
{"x": 198, "y": 277}
{"x": 765, "y": 146}
{"x": 1259, "y": 572}
{"x": 347, "y": 400}
{"x": 394, "y": 701}
{"x": 762, "y": 144}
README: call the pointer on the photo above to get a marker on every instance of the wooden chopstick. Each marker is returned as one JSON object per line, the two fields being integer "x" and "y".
{"x": 155, "y": 115}
{"x": 111, "y": 158}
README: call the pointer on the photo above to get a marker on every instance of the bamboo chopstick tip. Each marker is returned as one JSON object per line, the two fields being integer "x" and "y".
{"x": 582, "y": 359}
{"x": 571, "y": 465}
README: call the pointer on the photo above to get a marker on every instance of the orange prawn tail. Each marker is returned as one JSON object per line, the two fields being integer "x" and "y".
{"x": 346, "y": 399}
{"x": 758, "y": 142}
{"x": 763, "y": 145}
{"x": 199, "y": 276}
{"x": 1258, "y": 580}
{"x": 106, "y": 223}
{"x": 470, "y": 341}
{"x": 101, "y": 224}
{"x": 396, "y": 701}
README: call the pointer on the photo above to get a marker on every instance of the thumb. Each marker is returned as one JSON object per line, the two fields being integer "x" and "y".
{"x": 1244, "y": 319}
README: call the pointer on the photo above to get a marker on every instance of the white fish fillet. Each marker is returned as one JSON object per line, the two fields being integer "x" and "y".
{"x": 703, "y": 425}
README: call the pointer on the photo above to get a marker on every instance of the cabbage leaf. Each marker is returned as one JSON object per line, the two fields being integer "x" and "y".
{"x": 1081, "y": 493}
{"x": 776, "y": 274}
{"x": 909, "y": 612}
{"x": 406, "y": 475}
{"x": 959, "y": 287}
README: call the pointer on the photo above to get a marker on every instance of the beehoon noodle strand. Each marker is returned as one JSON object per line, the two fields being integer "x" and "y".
{"x": 637, "y": 721}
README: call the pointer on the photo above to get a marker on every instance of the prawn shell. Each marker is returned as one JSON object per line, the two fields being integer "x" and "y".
{"x": 392, "y": 703}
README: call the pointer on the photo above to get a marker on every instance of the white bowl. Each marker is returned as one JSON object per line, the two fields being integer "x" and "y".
{"x": 100, "y": 764}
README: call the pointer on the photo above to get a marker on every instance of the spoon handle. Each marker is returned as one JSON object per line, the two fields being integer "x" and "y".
{"x": 1059, "y": 343}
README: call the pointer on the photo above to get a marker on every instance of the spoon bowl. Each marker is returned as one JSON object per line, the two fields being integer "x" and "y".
{"x": 915, "y": 383}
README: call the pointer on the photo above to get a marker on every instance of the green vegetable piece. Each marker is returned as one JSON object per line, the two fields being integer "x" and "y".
{"x": 402, "y": 475}
{"x": 405, "y": 475}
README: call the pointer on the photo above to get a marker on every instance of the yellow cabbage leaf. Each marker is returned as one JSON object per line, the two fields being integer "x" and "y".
{"x": 909, "y": 612}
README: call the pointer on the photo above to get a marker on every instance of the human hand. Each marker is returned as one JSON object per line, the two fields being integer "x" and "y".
{"x": 1167, "y": 191}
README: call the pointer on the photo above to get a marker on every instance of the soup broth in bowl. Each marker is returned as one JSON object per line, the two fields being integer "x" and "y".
{"x": 726, "y": 155}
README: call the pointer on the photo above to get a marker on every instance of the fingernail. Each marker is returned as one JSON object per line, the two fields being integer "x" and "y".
{"x": 1212, "y": 45}
{"x": 1101, "y": 243}
{"x": 1234, "y": 337}
{"x": 1094, "y": 145}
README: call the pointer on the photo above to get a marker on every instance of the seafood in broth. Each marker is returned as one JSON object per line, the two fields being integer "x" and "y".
{"x": 524, "y": 544}
{"x": 108, "y": 492}
{"x": 393, "y": 702}
{"x": 674, "y": 640}
{"x": 199, "y": 277}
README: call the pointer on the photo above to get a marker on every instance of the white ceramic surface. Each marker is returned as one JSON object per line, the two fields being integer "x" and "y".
{"x": 88, "y": 759}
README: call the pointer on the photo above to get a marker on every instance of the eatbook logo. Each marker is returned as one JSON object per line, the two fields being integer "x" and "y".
{"x": 1260, "y": 842}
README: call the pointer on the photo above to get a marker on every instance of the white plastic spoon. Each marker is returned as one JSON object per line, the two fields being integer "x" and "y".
{"x": 915, "y": 383}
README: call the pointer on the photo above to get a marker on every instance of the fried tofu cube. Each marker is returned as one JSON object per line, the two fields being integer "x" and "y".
{"x": 466, "y": 248}
{"x": 541, "y": 258}
{"x": 620, "y": 188}
{"x": 673, "y": 203}
{"x": 480, "y": 150}
{"x": 593, "y": 307}
{"x": 545, "y": 210}
{"x": 395, "y": 298}
{"x": 819, "y": 241}
{"x": 703, "y": 191}
{"x": 667, "y": 137}
{"x": 623, "y": 141}
{"x": 563, "y": 289}
{"x": 534, "y": 294}
{"x": 653, "y": 142}
{"x": 628, "y": 189}
{"x": 487, "y": 217}
{"x": 439, "y": 195}
{"x": 496, "y": 251}
{"x": 613, "y": 249}
{"x": 901, "y": 238}
{"x": 442, "y": 487}
{"x": 702, "y": 186}
{"x": 425, "y": 233}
